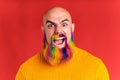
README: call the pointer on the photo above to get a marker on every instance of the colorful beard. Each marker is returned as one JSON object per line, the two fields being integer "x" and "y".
{"x": 55, "y": 56}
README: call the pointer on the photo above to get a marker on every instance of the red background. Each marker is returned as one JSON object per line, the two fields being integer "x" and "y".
{"x": 97, "y": 30}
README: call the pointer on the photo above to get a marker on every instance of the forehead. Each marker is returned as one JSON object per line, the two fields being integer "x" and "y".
{"x": 57, "y": 15}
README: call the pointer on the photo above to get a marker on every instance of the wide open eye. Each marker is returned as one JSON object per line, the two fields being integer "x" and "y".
{"x": 51, "y": 25}
{"x": 64, "y": 24}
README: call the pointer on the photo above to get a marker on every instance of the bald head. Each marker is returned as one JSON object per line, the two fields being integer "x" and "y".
{"x": 56, "y": 12}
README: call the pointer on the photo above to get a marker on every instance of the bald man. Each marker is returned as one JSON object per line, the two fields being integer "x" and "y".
{"x": 60, "y": 59}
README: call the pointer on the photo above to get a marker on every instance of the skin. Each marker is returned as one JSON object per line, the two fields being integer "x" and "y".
{"x": 57, "y": 20}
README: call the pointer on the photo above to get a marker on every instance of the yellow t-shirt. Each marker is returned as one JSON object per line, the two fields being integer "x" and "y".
{"x": 82, "y": 66}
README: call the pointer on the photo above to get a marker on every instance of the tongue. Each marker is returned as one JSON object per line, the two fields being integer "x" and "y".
{"x": 58, "y": 42}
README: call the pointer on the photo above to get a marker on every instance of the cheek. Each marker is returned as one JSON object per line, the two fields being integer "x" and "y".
{"x": 48, "y": 35}
{"x": 68, "y": 34}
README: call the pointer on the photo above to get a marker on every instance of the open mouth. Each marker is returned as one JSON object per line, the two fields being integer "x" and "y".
{"x": 59, "y": 40}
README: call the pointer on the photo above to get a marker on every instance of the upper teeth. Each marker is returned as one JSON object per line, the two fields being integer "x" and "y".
{"x": 59, "y": 38}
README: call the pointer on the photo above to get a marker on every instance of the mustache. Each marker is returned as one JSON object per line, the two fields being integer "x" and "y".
{"x": 58, "y": 35}
{"x": 53, "y": 37}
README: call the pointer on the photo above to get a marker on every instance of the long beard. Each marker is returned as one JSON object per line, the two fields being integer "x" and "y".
{"x": 55, "y": 56}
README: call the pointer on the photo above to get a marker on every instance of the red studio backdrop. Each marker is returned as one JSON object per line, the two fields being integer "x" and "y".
{"x": 97, "y": 30}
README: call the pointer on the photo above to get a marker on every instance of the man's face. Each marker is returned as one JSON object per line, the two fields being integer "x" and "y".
{"x": 56, "y": 23}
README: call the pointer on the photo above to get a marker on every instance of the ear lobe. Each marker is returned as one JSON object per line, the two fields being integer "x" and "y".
{"x": 42, "y": 28}
{"x": 73, "y": 26}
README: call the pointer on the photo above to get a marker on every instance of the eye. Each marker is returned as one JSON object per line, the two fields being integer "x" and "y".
{"x": 64, "y": 24}
{"x": 51, "y": 25}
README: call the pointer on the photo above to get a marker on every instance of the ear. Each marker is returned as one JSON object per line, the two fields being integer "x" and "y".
{"x": 73, "y": 26}
{"x": 42, "y": 28}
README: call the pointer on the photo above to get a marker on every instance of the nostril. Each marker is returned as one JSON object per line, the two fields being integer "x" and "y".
{"x": 61, "y": 35}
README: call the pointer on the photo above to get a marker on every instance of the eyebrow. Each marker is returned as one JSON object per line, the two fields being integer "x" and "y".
{"x": 64, "y": 20}
{"x": 48, "y": 21}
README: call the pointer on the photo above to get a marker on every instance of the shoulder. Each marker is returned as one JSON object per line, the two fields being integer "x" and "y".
{"x": 33, "y": 61}
{"x": 91, "y": 64}
{"x": 87, "y": 57}
{"x": 89, "y": 61}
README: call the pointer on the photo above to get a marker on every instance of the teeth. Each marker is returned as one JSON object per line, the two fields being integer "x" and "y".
{"x": 59, "y": 38}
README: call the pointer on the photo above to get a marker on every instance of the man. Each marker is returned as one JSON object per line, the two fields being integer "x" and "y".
{"x": 60, "y": 59}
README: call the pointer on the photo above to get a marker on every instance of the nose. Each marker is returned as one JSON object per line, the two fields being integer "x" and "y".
{"x": 58, "y": 30}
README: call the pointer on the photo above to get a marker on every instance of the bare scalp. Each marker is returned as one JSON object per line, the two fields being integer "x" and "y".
{"x": 56, "y": 11}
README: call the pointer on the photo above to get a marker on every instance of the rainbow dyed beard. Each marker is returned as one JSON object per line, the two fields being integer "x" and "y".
{"x": 55, "y": 56}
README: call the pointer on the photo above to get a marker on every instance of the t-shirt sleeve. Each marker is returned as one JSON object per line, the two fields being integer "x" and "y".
{"x": 20, "y": 75}
{"x": 102, "y": 73}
